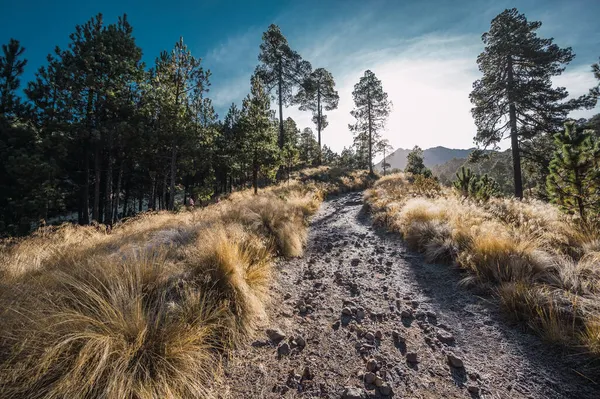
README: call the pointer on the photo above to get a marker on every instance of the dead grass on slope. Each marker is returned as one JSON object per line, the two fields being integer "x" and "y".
{"x": 543, "y": 265}
{"x": 149, "y": 310}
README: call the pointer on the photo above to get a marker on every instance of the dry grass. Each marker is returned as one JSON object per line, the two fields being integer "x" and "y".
{"x": 543, "y": 265}
{"x": 149, "y": 310}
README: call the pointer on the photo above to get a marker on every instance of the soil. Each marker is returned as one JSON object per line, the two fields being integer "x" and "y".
{"x": 419, "y": 309}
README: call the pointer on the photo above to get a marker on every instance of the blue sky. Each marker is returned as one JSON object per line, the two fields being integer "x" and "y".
{"x": 423, "y": 51}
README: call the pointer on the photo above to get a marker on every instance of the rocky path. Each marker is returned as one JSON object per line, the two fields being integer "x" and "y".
{"x": 359, "y": 316}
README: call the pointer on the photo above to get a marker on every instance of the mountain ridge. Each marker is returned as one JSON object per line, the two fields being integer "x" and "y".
{"x": 431, "y": 156}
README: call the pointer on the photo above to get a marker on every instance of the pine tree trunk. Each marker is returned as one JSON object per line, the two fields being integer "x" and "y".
{"x": 514, "y": 138}
{"x": 97, "y": 175}
{"x": 319, "y": 160}
{"x": 85, "y": 187}
{"x": 255, "y": 174}
{"x": 280, "y": 83}
{"x": 172, "y": 184}
{"x": 126, "y": 197}
{"x": 108, "y": 191}
{"x": 164, "y": 192}
{"x": 118, "y": 194}
{"x": 370, "y": 137}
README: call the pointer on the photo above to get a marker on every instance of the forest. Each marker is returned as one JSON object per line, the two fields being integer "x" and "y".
{"x": 103, "y": 136}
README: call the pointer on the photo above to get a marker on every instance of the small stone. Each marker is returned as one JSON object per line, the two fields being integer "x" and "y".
{"x": 370, "y": 378}
{"x": 398, "y": 295}
{"x": 385, "y": 390}
{"x": 370, "y": 337}
{"x": 275, "y": 335}
{"x": 445, "y": 337}
{"x": 336, "y": 325}
{"x": 397, "y": 337}
{"x": 378, "y": 382}
{"x": 372, "y": 365}
{"x": 414, "y": 303}
{"x": 301, "y": 342}
{"x": 307, "y": 375}
{"x": 431, "y": 314}
{"x": 411, "y": 357}
{"x": 360, "y": 313}
{"x": 406, "y": 314}
{"x": 378, "y": 334}
{"x": 420, "y": 315}
{"x": 355, "y": 262}
{"x": 474, "y": 389}
{"x": 346, "y": 311}
{"x": 352, "y": 393}
{"x": 455, "y": 361}
{"x": 283, "y": 349}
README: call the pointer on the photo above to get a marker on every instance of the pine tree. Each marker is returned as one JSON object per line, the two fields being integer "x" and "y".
{"x": 415, "y": 164}
{"x": 384, "y": 146}
{"x": 290, "y": 151}
{"x": 281, "y": 69}
{"x": 308, "y": 148}
{"x": 371, "y": 109}
{"x": 179, "y": 73}
{"x": 574, "y": 179}
{"x": 11, "y": 68}
{"x": 260, "y": 139}
{"x": 515, "y": 96}
{"x": 318, "y": 92}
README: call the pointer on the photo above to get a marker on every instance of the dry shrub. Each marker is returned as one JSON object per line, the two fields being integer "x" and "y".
{"x": 149, "y": 310}
{"x": 113, "y": 329}
{"x": 543, "y": 265}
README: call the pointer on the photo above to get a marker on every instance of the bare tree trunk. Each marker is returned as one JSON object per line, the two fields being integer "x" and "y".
{"x": 108, "y": 191}
{"x": 97, "y": 174}
{"x": 370, "y": 137}
{"x": 514, "y": 138}
{"x": 118, "y": 194}
{"x": 172, "y": 185}
{"x": 164, "y": 192}
{"x": 319, "y": 160}
{"x": 85, "y": 187}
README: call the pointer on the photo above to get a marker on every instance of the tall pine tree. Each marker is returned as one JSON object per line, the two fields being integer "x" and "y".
{"x": 281, "y": 69}
{"x": 318, "y": 92}
{"x": 260, "y": 140}
{"x": 371, "y": 110}
{"x": 515, "y": 96}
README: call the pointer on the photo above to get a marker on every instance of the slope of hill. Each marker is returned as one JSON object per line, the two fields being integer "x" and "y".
{"x": 431, "y": 157}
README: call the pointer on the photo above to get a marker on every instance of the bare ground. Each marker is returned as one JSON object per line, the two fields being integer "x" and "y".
{"x": 349, "y": 264}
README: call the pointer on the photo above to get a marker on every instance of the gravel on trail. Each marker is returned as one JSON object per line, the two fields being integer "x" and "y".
{"x": 360, "y": 316}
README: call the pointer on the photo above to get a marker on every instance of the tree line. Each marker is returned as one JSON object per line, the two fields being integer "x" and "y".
{"x": 100, "y": 134}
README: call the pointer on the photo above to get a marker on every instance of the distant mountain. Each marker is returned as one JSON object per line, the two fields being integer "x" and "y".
{"x": 431, "y": 156}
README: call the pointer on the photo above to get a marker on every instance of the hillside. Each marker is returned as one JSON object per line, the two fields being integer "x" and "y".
{"x": 431, "y": 156}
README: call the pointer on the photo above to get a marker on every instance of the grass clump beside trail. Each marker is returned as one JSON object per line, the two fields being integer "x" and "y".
{"x": 543, "y": 265}
{"x": 149, "y": 310}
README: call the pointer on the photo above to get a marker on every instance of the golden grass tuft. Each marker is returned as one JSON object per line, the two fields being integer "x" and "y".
{"x": 149, "y": 310}
{"x": 543, "y": 265}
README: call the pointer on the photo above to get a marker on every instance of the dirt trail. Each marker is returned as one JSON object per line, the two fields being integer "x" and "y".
{"x": 350, "y": 267}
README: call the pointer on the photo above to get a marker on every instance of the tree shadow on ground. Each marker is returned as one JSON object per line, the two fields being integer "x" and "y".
{"x": 559, "y": 372}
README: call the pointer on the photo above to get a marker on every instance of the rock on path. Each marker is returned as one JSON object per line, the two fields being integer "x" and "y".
{"x": 365, "y": 318}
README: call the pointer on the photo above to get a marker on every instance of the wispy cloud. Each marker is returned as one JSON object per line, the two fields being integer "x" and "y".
{"x": 428, "y": 77}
